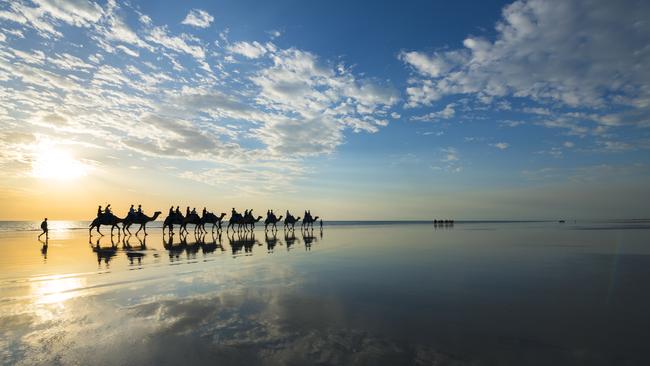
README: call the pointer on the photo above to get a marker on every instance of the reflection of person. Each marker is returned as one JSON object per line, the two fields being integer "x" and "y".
{"x": 44, "y": 228}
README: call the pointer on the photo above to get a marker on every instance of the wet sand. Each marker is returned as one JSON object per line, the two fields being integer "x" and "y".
{"x": 479, "y": 294}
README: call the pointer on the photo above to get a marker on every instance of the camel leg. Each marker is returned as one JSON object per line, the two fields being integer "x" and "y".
{"x": 145, "y": 229}
{"x": 140, "y": 228}
{"x": 100, "y": 233}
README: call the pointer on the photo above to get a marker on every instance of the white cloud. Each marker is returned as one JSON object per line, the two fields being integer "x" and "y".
{"x": 161, "y": 36}
{"x": 449, "y": 160}
{"x": 313, "y": 104}
{"x": 578, "y": 54}
{"x": 128, "y": 51}
{"x": 78, "y": 13}
{"x": 445, "y": 113}
{"x": 198, "y": 18}
{"x": 501, "y": 145}
{"x": 248, "y": 49}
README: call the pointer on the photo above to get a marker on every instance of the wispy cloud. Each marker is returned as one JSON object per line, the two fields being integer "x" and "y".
{"x": 198, "y": 18}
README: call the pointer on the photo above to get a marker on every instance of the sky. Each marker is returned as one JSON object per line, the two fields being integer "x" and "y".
{"x": 533, "y": 109}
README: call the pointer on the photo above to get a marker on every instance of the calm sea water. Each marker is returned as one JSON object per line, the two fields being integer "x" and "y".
{"x": 527, "y": 293}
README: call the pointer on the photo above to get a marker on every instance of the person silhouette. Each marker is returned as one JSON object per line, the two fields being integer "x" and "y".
{"x": 107, "y": 210}
{"x": 187, "y": 211}
{"x": 139, "y": 210}
{"x": 99, "y": 211}
{"x": 193, "y": 211}
{"x": 44, "y": 228}
{"x": 205, "y": 211}
{"x": 233, "y": 212}
{"x": 131, "y": 211}
{"x": 178, "y": 211}
{"x": 171, "y": 211}
{"x": 321, "y": 224}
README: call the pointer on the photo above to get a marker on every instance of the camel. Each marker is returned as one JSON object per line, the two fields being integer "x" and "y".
{"x": 308, "y": 221}
{"x": 290, "y": 222}
{"x": 250, "y": 221}
{"x": 171, "y": 220}
{"x": 141, "y": 219}
{"x": 195, "y": 220}
{"x": 213, "y": 219}
{"x": 235, "y": 219}
{"x": 105, "y": 219}
{"x": 242, "y": 222}
{"x": 271, "y": 220}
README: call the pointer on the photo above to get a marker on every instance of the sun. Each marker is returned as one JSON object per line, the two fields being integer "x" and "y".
{"x": 54, "y": 163}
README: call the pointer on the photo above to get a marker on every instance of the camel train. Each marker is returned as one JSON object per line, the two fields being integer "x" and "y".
{"x": 237, "y": 222}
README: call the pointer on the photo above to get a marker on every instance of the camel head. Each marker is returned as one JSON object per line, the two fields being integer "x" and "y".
{"x": 298, "y": 218}
{"x": 222, "y": 215}
{"x": 258, "y": 218}
{"x": 280, "y": 218}
{"x": 156, "y": 214}
{"x": 316, "y": 218}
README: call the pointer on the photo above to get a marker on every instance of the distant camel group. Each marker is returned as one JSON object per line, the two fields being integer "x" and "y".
{"x": 237, "y": 221}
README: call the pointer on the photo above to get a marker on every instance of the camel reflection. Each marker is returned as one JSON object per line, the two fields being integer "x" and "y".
{"x": 134, "y": 253}
{"x": 208, "y": 247}
{"x": 290, "y": 238}
{"x": 105, "y": 254}
{"x": 242, "y": 241}
{"x": 271, "y": 241}
{"x": 308, "y": 238}
{"x": 443, "y": 224}
{"x": 174, "y": 250}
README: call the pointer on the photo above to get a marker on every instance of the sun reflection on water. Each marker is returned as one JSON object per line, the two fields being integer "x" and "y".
{"x": 56, "y": 290}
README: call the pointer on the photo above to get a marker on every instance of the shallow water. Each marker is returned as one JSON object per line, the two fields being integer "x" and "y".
{"x": 474, "y": 293}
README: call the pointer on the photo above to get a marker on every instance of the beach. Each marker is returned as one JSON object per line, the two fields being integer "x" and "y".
{"x": 533, "y": 293}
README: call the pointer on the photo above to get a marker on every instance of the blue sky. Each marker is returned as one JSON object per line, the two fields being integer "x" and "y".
{"x": 526, "y": 109}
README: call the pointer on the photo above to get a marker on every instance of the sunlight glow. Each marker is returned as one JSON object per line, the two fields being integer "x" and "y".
{"x": 52, "y": 163}
{"x": 56, "y": 290}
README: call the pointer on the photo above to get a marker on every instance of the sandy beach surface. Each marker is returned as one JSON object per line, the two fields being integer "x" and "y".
{"x": 471, "y": 294}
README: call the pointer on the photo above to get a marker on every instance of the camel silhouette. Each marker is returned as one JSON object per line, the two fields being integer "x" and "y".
{"x": 105, "y": 219}
{"x": 308, "y": 221}
{"x": 141, "y": 219}
{"x": 193, "y": 219}
{"x": 290, "y": 222}
{"x": 213, "y": 219}
{"x": 171, "y": 220}
{"x": 242, "y": 222}
{"x": 271, "y": 220}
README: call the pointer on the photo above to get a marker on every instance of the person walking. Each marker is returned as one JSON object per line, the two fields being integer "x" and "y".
{"x": 44, "y": 228}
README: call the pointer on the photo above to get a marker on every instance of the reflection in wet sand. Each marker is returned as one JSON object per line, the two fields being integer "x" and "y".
{"x": 374, "y": 295}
